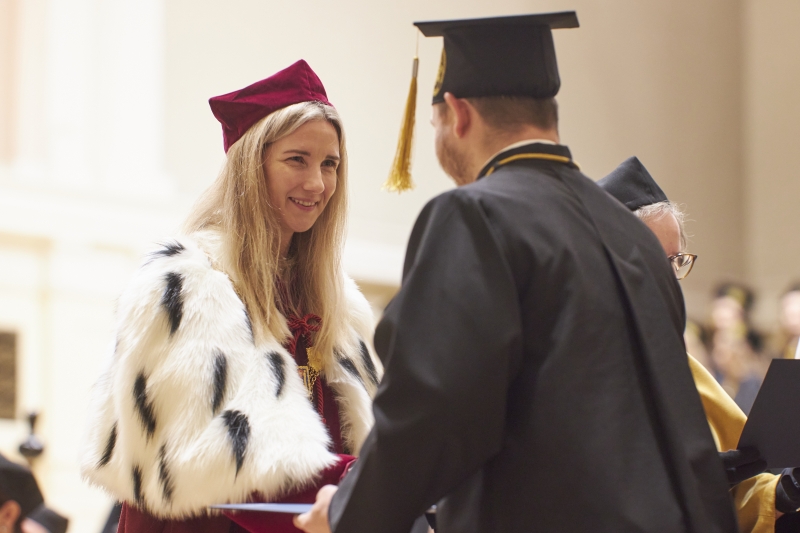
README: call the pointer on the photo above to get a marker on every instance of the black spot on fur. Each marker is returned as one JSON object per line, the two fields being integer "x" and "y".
{"x": 279, "y": 369}
{"x": 220, "y": 379}
{"x": 172, "y": 300}
{"x": 143, "y": 407}
{"x": 110, "y": 444}
{"x": 239, "y": 433}
{"x": 137, "y": 485}
{"x": 163, "y": 474}
{"x": 168, "y": 249}
{"x": 368, "y": 364}
{"x": 350, "y": 366}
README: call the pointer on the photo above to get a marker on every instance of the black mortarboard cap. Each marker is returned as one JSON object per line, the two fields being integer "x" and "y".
{"x": 17, "y": 483}
{"x": 498, "y": 56}
{"x": 49, "y": 519}
{"x": 632, "y": 184}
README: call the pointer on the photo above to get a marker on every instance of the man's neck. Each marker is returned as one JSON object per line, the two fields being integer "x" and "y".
{"x": 498, "y": 143}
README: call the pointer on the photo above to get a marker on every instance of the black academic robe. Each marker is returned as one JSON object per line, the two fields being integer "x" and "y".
{"x": 536, "y": 378}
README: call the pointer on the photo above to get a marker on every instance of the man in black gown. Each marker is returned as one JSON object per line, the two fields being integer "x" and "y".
{"x": 536, "y": 378}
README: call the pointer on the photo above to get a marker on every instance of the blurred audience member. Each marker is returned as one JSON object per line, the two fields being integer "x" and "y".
{"x": 731, "y": 307}
{"x": 19, "y": 495}
{"x": 737, "y": 366}
{"x": 784, "y": 343}
{"x": 735, "y": 345}
{"x": 44, "y": 520}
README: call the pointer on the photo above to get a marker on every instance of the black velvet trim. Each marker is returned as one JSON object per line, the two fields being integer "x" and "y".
{"x": 368, "y": 364}
{"x": 239, "y": 433}
{"x": 110, "y": 445}
{"x": 279, "y": 369}
{"x": 144, "y": 408}
{"x": 220, "y": 380}
{"x": 350, "y": 366}
{"x": 172, "y": 300}
{"x": 163, "y": 474}
{"x": 137, "y": 485}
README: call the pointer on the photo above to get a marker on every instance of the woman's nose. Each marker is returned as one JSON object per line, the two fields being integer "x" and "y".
{"x": 314, "y": 182}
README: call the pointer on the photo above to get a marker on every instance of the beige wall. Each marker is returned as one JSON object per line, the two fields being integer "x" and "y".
{"x": 772, "y": 159}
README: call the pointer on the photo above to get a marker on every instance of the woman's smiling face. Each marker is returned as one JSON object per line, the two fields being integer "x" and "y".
{"x": 301, "y": 175}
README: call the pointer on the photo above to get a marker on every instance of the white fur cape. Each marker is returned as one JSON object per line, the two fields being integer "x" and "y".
{"x": 192, "y": 412}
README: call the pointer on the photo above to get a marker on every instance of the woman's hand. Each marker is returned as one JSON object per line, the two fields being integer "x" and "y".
{"x": 316, "y": 520}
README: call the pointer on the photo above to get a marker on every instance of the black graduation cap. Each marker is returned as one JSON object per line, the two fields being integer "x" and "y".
{"x": 17, "y": 483}
{"x": 632, "y": 184}
{"x": 49, "y": 519}
{"x": 498, "y": 56}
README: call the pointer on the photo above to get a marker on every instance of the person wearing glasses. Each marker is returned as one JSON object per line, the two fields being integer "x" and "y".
{"x": 760, "y": 498}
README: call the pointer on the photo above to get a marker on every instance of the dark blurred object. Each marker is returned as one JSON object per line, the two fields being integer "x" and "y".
{"x": 420, "y": 525}
{"x": 430, "y": 517}
{"x": 17, "y": 483}
{"x": 33, "y": 446}
{"x": 787, "y": 493}
{"x": 788, "y": 523}
{"x": 113, "y": 519}
{"x": 742, "y": 464}
{"x": 49, "y": 519}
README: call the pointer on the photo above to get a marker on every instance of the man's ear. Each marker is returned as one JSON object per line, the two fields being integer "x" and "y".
{"x": 9, "y": 513}
{"x": 462, "y": 112}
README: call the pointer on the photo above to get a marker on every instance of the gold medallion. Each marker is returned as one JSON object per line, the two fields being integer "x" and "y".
{"x": 309, "y": 376}
{"x": 310, "y": 373}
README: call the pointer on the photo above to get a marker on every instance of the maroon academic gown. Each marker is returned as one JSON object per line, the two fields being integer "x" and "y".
{"x": 134, "y": 520}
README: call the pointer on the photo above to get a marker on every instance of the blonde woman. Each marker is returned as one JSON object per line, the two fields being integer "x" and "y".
{"x": 243, "y": 366}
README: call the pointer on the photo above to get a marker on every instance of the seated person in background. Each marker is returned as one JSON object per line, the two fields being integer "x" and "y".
{"x": 735, "y": 346}
{"x": 19, "y": 495}
{"x": 784, "y": 342}
{"x": 737, "y": 367}
{"x": 760, "y": 499}
{"x": 44, "y": 520}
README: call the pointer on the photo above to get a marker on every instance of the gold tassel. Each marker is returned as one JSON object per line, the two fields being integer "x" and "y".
{"x": 400, "y": 175}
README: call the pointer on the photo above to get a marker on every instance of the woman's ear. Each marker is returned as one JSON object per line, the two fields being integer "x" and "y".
{"x": 9, "y": 514}
{"x": 461, "y": 112}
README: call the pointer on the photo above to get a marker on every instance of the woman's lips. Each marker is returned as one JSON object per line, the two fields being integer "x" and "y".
{"x": 305, "y": 205}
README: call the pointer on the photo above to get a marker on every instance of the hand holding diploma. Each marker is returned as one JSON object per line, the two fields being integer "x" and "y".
{"x": 316, "y": 520}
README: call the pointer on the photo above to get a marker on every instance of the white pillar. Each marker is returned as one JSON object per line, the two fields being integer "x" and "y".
{"x": 131, "y": 82}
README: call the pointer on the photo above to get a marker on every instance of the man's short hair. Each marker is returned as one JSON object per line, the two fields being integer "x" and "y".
{"x": 511, "y": 112}
{"x": 659, "y": 209}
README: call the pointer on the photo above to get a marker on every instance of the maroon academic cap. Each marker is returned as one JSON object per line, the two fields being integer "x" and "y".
{"x": 239, "y": 110}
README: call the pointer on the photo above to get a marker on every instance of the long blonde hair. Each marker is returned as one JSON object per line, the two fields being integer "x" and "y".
{"x": 238, "y": 205}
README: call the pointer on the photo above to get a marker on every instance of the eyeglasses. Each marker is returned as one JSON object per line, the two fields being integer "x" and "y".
{"x": 682, "y": 263}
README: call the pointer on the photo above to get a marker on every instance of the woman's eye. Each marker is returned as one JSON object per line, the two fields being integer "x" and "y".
{"x": 330, "y": 163}
{"x": 297, "y": 159}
